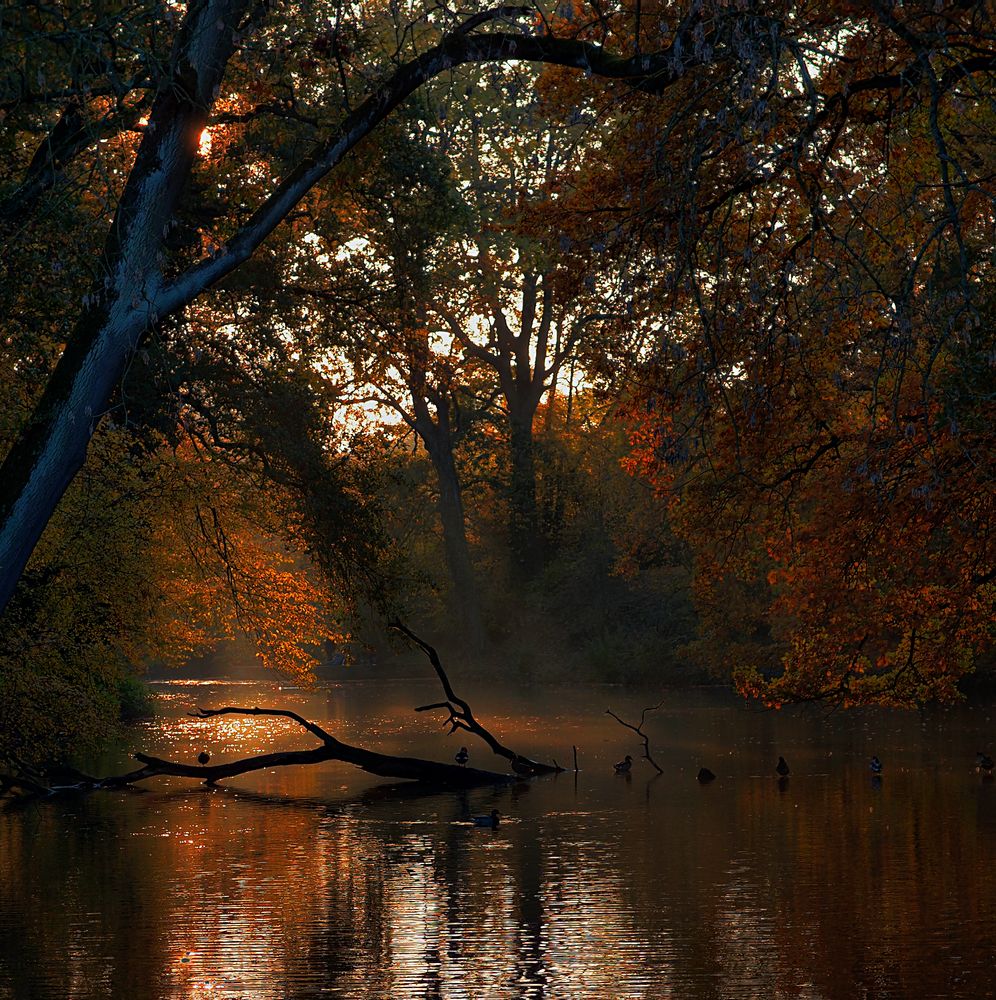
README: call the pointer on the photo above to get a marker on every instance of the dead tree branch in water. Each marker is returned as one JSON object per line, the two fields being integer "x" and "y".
{"x": 428, "y": 772}
{"x": 9, "y": 782}
{"x": 462, "y": 717}
{"x": 383, "y": 765}
{"x": 639, "y": 731}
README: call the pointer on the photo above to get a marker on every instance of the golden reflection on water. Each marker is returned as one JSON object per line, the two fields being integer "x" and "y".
{"x": 300, "y": 883}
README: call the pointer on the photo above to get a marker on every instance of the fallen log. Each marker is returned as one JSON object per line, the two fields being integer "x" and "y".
{"x": 383, "y": 765}
{"x": 429, "y": 773}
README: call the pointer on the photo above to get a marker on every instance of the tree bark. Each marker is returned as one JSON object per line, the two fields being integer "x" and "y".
{"x": 119, "y": 309}
{"x": 528, "y": 543}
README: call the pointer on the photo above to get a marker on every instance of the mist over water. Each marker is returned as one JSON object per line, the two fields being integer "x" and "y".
{"x": 313, "y": 882}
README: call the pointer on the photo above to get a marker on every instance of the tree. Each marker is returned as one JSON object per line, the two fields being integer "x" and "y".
{"x": 139, "y": 283}
{"x": 376, "y": 335}
{"x": 819, "y": 403}
{"x": 155, "y": 555}
{"x": 518, "y": 314}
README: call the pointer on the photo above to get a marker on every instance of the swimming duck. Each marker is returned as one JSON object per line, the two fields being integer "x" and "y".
{"x": 705, "y": 776}
{"x": 203, "y": 757}
{"x": 624, "y": 765}
{"x": 984, "y": 762}
{"x": 876, "y": 765}
{"x": 491, "y": 820}
{"x": 462, "y": 756}
{"x": 782, "y": 768}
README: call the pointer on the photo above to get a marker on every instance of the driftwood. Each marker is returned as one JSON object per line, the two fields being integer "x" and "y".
{"x": 329, "y": 748}
{"x": 9, "y": 782}
{"x": 639, "y": 731}
{"x": 460, "y": 715}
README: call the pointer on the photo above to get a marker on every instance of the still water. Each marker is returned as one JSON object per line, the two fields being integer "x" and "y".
{"x": 314, "y": 882}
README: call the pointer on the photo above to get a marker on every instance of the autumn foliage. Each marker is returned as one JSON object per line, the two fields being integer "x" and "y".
{"x": 818, "y": 406}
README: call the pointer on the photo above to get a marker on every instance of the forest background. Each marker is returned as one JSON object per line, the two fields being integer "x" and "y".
{"x": 632, "y": 342}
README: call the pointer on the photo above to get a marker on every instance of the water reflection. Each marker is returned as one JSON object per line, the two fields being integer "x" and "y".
{"x": 313, "y": 882}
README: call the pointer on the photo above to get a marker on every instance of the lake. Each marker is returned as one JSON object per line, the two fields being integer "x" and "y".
{"x": 315, "y": 882}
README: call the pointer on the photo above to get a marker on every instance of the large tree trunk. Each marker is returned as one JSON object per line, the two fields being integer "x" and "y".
{"x": 528, "y": 544}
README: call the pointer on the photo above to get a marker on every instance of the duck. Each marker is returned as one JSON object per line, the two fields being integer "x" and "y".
{"x": 983, "y": 762}
{"x": 782, "y": 768}
{"x": 705, "y": 776}
{"x": 491, "y": 820}
{"x": 203, "y": 757}
{"x": 875, "y": 765}
{"x": 623, "y": 766}
{"x": 462, "y": 756}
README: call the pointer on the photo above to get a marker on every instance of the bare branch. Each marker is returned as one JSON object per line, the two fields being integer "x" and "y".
{"x": 312, "y": 727}
{"x": 462, "y": 717}
{"x": 384, "y": 765}
{"x": 639, "y": 731}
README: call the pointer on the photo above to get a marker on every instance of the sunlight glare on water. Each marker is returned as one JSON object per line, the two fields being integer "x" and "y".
{"x": 315, "y": 882}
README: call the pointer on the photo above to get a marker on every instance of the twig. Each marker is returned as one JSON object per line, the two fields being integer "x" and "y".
{"x": 312, "y": 727}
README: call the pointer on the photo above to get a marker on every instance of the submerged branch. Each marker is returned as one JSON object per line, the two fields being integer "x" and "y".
{"x": 383, "y": 765}
{"x": 29, "y": 785}
{"x": 639, "y": 731}
{"x": 428, "y": 772}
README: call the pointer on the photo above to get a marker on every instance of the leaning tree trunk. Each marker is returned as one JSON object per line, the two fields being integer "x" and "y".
{"x": 119, "y": 310}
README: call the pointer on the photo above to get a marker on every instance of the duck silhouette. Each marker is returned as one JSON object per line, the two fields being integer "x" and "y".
{"x": 462, "y": 756}
{"x": 782, "y": 768}
{"x": 624, "y": 765}
{"x": 491, "y": 820}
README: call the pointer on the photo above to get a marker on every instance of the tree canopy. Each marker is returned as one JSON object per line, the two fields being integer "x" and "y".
{"x": 252, "y": 254}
